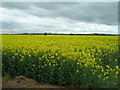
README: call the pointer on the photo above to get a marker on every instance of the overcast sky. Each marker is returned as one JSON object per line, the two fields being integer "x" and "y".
{"x": 64, "y": 17}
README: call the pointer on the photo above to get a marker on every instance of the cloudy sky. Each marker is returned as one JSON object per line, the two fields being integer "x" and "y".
{"x": 64, "y": 17}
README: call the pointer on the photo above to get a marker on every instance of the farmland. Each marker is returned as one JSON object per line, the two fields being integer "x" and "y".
{"x": 78, "y": 61}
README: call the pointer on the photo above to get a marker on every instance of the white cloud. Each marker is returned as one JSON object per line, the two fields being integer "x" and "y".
{"x": 29, "y": 23}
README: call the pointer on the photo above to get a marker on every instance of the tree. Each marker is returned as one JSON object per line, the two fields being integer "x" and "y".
{"x": 71, "y": 33}
{"x": 45, "y": 33}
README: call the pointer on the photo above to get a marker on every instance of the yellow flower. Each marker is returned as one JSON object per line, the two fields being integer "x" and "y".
{"x": 77, "y": 70}
{"x": 99, "y": 75}
{"x": 85, "y": 65}
{"x": 53, "y": 65}
{"x": 103, "y": 79}
{"x": 117, "y": 73}
{"x": 107, "y": 66}
{"x": 106, "y": 77}
{"x": 102, "y": 70}
{"x": 117, "y": 67}
{"x": 49, "y": 64}
{"x": 110, "y": 69}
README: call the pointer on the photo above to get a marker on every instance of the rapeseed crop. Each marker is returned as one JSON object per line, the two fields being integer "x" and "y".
{"x": 78, "y": 61}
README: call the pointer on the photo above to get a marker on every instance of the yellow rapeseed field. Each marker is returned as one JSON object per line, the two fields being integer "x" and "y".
{"x": 78, "y": 61}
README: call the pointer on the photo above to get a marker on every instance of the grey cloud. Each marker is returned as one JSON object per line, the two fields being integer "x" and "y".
{"x": 60, "y": 17}
{"x": 99, "y": 12}
{"x": 105, "y": 13}
{"x": 91, "y": 12}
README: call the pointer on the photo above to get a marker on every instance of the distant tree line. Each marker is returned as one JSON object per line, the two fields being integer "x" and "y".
{"x": 98, "y": 34}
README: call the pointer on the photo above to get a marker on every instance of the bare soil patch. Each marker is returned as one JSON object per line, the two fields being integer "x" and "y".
{"x": 23, "y": 82}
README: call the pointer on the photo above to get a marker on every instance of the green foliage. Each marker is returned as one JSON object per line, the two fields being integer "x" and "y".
{"x": 6, "y": 77}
